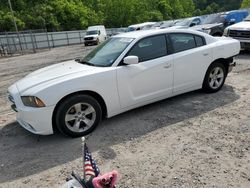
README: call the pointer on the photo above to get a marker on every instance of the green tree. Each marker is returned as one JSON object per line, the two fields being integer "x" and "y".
{"x": 188, "y": 7}
{"x": 56, "y": 15}
{"x": 245, "y": 4}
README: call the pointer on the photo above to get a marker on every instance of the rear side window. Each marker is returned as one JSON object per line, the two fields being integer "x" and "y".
{"x": 184, "y": 41}
{"x": 150, "y": 48}
{"x": 199, "y": 41}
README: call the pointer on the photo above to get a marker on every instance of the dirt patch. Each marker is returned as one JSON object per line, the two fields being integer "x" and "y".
{"x": 192, "y": 140}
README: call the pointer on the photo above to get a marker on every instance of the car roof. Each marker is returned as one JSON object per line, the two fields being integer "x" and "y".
{"x": 145, "y": 33}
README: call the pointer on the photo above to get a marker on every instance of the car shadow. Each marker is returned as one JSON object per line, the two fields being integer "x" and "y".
{"x": 23, "y": 154}
{"x": 244, "y": 54}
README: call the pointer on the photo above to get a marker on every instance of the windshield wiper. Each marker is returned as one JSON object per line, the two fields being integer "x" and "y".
{"x": 84, "y": 62}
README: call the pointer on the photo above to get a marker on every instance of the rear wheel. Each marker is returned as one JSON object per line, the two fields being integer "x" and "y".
{"x": 78, "y": 115}
{"x": 215, "y": 78}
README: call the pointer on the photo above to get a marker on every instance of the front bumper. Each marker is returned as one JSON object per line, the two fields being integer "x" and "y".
{"x": 93, "y": 41}
{"x": 245, "y": 45}
{"x": 35, "y": 120}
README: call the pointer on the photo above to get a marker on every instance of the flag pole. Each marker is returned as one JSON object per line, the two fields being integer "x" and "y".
{"x": 83, "y": 151}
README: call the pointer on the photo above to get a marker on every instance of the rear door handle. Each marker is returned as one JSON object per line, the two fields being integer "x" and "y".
{"x": 167, "y": 66}
{"x": 206, "y": 54}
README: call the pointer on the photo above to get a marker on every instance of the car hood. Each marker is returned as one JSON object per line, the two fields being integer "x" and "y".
{"x": 241, "y": 26}
{"x": 179, "y": 27}
{"x": 54, "y": 72}
{"x": 206, "y": 26}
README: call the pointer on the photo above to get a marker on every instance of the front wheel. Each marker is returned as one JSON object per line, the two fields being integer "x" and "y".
{"x": 215, "y": 78}
{"x": 78, "y": 115}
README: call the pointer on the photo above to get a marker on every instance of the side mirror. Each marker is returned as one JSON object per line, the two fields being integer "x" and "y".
{"x": 131, "y": 60}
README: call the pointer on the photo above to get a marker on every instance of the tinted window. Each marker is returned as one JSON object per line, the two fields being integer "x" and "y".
{"x": 197, "y": 21}
{"x": 182, "y": 42}
{"x": 107, "y": 52}
{"x": 199, "y": 41}
{"x": 150, "y": 48}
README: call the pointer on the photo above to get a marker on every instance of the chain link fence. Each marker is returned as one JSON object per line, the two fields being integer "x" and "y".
{"x": 33, "y": 40}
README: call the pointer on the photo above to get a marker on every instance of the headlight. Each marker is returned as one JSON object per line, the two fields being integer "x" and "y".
{"x": 32, "y": 101}
{"x": 226, "y": 31}
{"x": 207, "y": 31}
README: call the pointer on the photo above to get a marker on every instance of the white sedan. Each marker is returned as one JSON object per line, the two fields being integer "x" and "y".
{"x": 126, "y": 71}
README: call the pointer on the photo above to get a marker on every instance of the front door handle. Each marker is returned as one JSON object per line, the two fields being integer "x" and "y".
{"x": 167, "y": 66}
{"x": 206, "y": 54}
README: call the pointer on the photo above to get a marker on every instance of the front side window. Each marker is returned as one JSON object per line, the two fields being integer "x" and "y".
{"x": 150, "y": 48}
{"x": 106, "y": 53}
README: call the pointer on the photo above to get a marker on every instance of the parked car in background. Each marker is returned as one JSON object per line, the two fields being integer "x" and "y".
{"x": 212, "y": 25}
{"x": 95, "y": 35}
{"x": 141, "y": 26}
{"x": 233, "y": 17}
{"x": 126, "y": 71}
{"x": 116, "y": 31}
{"x": 216, "y": 23}
{"x": 241, "y": 32}
{"x": 186, "y": 23}
{"x": 163, "y": 24}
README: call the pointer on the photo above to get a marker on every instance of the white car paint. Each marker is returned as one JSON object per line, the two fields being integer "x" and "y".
{"x": 121, "y": 87}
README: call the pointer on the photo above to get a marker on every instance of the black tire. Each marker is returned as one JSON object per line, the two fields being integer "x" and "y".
{"x": 67, "y": 106}
{"x": 97, "y": 42}
{"x": 208, "y": 81}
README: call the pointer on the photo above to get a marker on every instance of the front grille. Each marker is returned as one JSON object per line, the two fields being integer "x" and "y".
{"x": 11, "y": 99}
{"x": 13, "y": 105}
{"x": 89, "y": 38}
{"x": 239, "y": 34}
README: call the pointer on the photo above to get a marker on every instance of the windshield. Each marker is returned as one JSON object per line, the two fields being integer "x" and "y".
{"x": 247, "y": 19}
{"x": 131, "y": 29}
{"x": 106, "y": 53}
{"x": 215, "y": 19}
{"x": 185, "y": 22}
{"x": 92, "y": 32}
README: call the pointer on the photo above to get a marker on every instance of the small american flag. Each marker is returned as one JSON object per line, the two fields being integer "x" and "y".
{"x": 90, "y": 167}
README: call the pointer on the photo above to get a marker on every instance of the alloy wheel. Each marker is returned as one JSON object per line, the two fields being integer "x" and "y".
{"x": 80, "y": 117}
{"x": 216, "y": 77}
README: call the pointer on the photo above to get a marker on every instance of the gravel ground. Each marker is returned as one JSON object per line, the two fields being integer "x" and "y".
{"x": 192, "y": 140}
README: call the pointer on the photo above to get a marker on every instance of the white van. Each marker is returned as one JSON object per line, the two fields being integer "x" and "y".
{"x": 95, "y": 35}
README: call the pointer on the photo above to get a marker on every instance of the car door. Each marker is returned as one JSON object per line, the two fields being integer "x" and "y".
{"x": 151, "y": 78}
{"x": 191, "y": 59}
